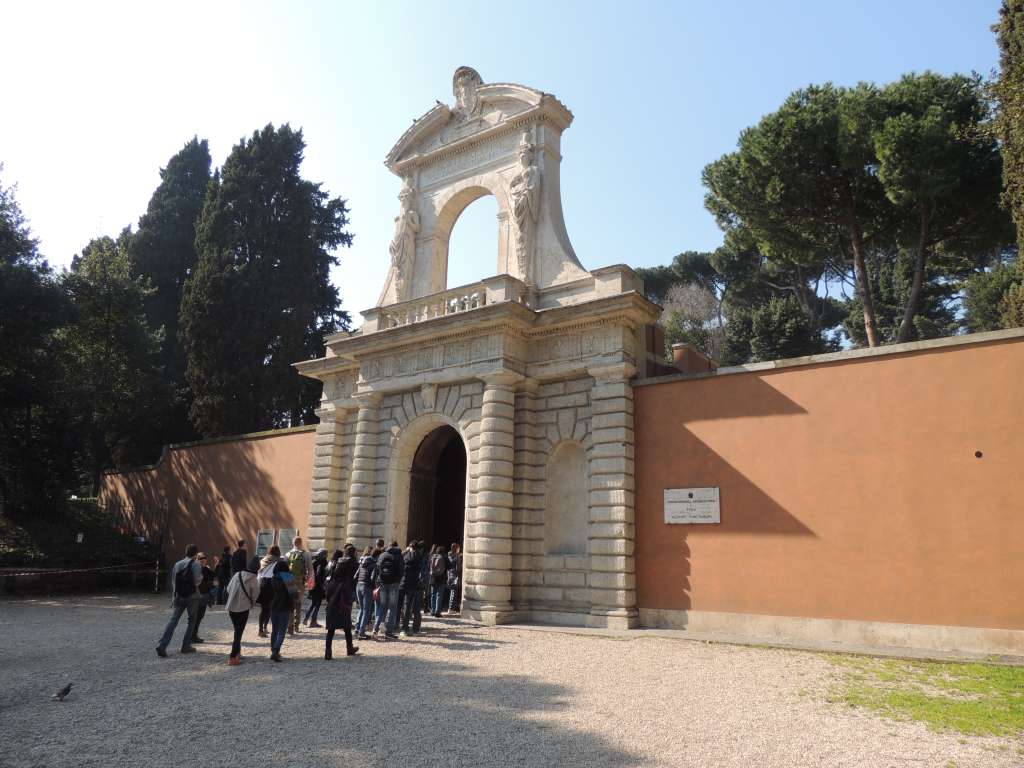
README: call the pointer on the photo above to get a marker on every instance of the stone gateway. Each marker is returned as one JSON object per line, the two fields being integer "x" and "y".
{"x": 498, "y": 414}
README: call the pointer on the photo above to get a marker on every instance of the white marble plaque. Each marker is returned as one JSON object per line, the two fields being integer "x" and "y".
{"x": 692, "y": 505}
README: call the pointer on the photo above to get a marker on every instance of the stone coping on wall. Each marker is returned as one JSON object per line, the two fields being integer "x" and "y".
{"x": 213, "y": 441}
{"x": 930, "y": 345}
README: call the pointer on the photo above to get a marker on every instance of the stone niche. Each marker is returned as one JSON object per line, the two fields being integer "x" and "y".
{"x": 530, "y": 367}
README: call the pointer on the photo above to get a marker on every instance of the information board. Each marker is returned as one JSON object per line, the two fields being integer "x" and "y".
{"x": 692, "y": 505}
{"x": 285, "y": 536}
{"x": 264, "y": 541}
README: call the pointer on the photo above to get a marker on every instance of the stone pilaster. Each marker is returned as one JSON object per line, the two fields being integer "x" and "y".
{"x": 327, "y": 518}
{"x": 612, "y": 579}
{"x": 487, "y": 570}
{"x": 361, "y": 517}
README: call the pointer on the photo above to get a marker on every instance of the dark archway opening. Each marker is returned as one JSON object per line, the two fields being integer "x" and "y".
{"x": 437, "y": 489}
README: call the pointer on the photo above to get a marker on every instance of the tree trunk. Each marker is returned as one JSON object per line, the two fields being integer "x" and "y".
{"x": 914, "y": 300}
{"x": 861, "y": 276}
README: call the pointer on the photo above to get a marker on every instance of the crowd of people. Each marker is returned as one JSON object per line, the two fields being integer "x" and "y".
{"x": 388, "y": 585}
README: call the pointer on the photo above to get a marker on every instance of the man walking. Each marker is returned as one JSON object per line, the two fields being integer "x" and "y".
{"x": 389, "y": 574}
{"x": 300, "y": 565}
{"x": 186, "y": 575}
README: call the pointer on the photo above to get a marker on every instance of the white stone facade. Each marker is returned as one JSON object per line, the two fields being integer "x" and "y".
{"x": 531, "y": 367}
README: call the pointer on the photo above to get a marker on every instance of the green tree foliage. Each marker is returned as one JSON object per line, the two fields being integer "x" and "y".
{"x": 260, "y": 297}
{"x": 940, "y": 168}
{"x": 1009, "y": 124}
{"x": 163, "y": 253}
{"x": 111, "y": 360}
{"x": 35, "y": 451}
{"x": 984, "y": 294}
{"x": 1009, "y": 93}
{"x": 866, "y": 176}
{"x": 802, "y": 184}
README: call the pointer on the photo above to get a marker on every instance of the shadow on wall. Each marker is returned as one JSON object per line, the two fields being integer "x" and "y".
{"x": 689, "y": 462}
{"x": 209, "y": 495}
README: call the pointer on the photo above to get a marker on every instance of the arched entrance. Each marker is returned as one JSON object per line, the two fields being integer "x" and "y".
{"x": 437, "y": 489}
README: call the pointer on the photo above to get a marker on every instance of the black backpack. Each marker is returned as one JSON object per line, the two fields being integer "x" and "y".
{"x": 184, "y": 583}
{"x": 387, "y": 566}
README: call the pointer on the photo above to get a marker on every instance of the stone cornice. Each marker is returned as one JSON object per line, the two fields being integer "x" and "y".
{"x": 509, "y": 318}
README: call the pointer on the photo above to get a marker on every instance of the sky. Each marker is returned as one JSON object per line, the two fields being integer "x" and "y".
{"x": 98, "y": 96}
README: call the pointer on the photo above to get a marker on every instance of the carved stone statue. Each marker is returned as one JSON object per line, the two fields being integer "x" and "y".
{"x": 465, "y": 83}
{"x": 525, "y": 189}
{"x": 403, "y": 244}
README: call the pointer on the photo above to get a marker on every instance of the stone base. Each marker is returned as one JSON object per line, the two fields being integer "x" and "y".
{"x": 490, "y": 615}
{"x": 841, "y": 632}
{"x": 557, "y": 618}
{"x": 617, "y": 620}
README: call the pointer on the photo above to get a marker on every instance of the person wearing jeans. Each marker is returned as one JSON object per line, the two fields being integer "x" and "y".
{"x": 364, "y": 590}
{"x": 389, "y": 576}
{"x": 182, "y": 604}
{"x": 281, "y": 609}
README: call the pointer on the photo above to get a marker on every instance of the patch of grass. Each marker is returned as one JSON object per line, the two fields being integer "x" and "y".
{"x": 974, "y": 699}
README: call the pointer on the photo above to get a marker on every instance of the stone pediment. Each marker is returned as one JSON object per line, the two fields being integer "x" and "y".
{"x": 499, "y": 107}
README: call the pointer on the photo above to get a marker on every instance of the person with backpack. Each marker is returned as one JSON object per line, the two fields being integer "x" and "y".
{"x": 455, "y": 578}
{"x": 364, "y": 590}
{"x": 300, "y": 565}
{"x": 388, "y": 578}
{"x": 317, "y": 593}
{"x": 340, "y": 594}
{"x": 243, "y": 591}
{"x": 266, "y": 577}
{"x": 186, "y": 576}
{"x": 282, "y": 606}
{"x": 439, "y": 565}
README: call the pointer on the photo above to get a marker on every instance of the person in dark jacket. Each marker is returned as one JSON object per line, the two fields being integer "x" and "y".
{"x": 205, "y": 595}
{"x": 240, "y": 558}
{"x": 265, "y": 569}
{"x": 223, "y": 576}
{"x": 364, "y": 591}
{"x": 455, "y": 578}
{"x": 412, "y": 602}
{"x": 281, "y": 606}
{"x": 438, "y": 569}
{"x": 340, "y": 594}
{"x": 317, "y": 593}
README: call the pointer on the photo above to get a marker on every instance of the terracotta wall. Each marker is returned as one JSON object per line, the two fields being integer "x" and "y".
{"x": 849, "y": 489}
{"x": 214, "y": 493}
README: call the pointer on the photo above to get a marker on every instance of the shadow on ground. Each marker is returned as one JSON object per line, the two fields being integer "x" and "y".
{"x": 452, "y": 696}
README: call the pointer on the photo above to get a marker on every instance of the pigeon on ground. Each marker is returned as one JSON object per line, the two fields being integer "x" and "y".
{"x": 62, "y": 693}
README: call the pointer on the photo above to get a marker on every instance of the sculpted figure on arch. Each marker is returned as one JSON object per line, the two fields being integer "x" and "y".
{"x": 403, "y": 244}
{"x": 465, "y": 83}
{"x": 525, "y": 189}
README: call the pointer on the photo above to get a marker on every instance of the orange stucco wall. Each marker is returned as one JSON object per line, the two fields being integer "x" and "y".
{"x": 213, "y": 494}
{"x": 849, "y": 489}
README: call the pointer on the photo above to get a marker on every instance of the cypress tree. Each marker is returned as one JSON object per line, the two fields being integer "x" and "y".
{"x": 260, "y": 297}
{"x": 163, "y": 254}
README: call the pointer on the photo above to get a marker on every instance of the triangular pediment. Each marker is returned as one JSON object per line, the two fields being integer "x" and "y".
{"x": 496, "y": 105}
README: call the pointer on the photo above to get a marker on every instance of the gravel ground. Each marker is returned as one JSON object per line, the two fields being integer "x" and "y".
{"x": 458, "y": 695}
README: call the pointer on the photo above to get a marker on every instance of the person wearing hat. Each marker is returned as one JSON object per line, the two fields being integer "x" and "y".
{"x": 317, "y": 592}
